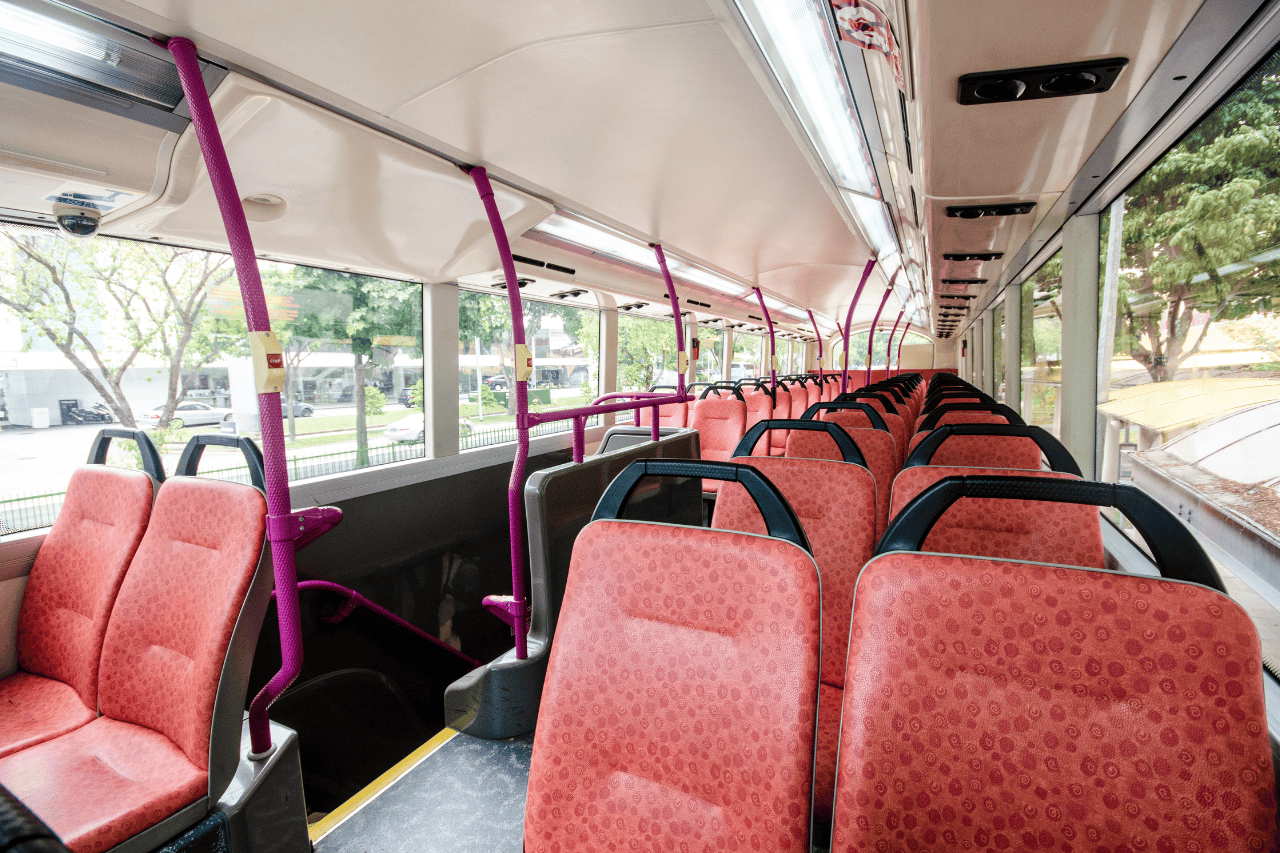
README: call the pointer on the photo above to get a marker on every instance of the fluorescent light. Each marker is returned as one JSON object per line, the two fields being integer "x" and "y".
{"x": 70, "y": 44}
{"x": 873, "y": 216}
{"x": 597, "y": 239}
{"x": 799, "y": 46}
{"x": 697, "y": 275}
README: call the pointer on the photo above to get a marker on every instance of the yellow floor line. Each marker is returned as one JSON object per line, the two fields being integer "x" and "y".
{"x": 333, "y": 819}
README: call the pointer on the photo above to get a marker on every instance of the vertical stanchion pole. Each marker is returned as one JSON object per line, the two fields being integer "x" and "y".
{"x": 900, "y": 342}
{"x": 817, "y": 335}
{"x": 888, "y": 348}
{"x": 515, "y": 609}
{"x": 848, "y": 323}
{"x": 773, "y": 348}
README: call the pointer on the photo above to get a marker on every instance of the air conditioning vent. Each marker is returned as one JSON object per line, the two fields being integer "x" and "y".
{"x": 699, "y": 304}
{"x": 1045, "y": 81}
{"x": 964, "y": 281}
{"x": 976, "y": 211}
{"x": 558, "y": 268}
{"x": 972, "y": 256}
{"x": 533, "y": 262}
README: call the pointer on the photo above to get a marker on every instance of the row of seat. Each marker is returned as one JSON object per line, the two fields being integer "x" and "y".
{"x": 963, "y": 702}
{"x": 137, "y": 626}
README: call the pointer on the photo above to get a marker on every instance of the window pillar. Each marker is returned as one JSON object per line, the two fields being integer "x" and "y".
{"x": 1079, "y": 397}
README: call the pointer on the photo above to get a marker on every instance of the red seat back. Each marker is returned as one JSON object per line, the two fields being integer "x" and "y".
{"x": 721, "y": 422}
{"x": 680, "y": 696}
{"x": 77, "y": 573}
{"x": 962, "y": 418}
{"x": 993, "y": 705}
{"x": 1067, "y": 534}
{"x": 670, "y": 415}
{"x": 167, "y": 640}
{"x": 881, "y": 455}
{"x": 759, "y": 408}
{"x": 993, "y": 451}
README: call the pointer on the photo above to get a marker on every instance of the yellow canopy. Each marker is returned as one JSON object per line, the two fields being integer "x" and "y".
{"x": 1168, "y": 406}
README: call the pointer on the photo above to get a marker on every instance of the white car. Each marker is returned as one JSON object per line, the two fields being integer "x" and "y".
{"x": 413, "y": 428}
{"x": 188, "y": 413}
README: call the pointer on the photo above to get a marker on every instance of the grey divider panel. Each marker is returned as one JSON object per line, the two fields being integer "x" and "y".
{"x": 618, "y": 437}
{"x": 500, "y": 699}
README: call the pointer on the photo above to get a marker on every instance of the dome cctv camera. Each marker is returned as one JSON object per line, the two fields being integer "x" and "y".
{"x": 77, "y": 221}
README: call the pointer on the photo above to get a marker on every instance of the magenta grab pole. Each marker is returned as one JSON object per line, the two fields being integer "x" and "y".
{"x": 871, "y": 335}
{"x": 848, "y": 323}
{"x": 888, "y": 348}
{"x": 512, "y": 609}
{"x": 906, "y": 329}
{"x": 286, "y": 530}
{"x": 682, "y": 365}
{"x": 817, "y": 335}
{"x": 773, "y": 349}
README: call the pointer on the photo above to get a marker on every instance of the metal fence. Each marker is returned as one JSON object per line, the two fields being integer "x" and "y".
{"x": 32, "y": 511}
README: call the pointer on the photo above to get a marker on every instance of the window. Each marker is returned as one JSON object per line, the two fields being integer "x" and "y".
{"x": 748, "y": 357}
{"x": 155, "y": 336}
{"x": 710, "y": 354}
{"x": 997, "y": 351}
{"x": 1042, "y": 346}
{"x": 565, "y": 342}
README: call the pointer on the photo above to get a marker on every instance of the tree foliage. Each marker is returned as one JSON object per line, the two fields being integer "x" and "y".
{"x": 1193, "y": 227}
{"x": 104, "y": 303}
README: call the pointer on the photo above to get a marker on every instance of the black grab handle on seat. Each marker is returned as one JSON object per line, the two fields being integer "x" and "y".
{"x": 872, "y": 413}
{"x": 899, "y": 399}
{"x": 1060, "y": 459}
{"x": 940, "y": 395}
{"x": 931, "y": 420}
{"x": 151, "y": 462}
{"x": 1177, "y": 553}
{"x": 848, "y": 447}
{"x": 21, "y": 831}
{"x": 854, "y": 396}
{"x": 189, "y": 463}
{"x": 779, "y": 518}
{"x": 723, "y": 386}
{"x": 762, "y": 386}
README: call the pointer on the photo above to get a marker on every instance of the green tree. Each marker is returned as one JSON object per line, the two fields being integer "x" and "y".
{"x": 373, "y": 317}
{"x": 1193, "y": 226}
{"x": 646, "y": 351}
{"x": 105, "y": 302}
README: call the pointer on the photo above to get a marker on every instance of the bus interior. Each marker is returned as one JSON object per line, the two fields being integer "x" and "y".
{"x": 792, "y": 425}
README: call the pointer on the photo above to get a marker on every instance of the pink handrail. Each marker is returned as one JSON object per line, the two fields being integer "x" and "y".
{"x": 773, "y": 344}
{"x": 514, "y": 609}
{"x": 817, "y": 335}
{"x": 900, "y": 342}
{"x": 888, "y": 348}
{"x": 871, "y": 335}
{"x": 848, "y": 323}
{"x": 286, "y": 530}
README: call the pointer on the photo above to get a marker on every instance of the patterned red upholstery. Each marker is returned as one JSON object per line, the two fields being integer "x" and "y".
{"x": 68, "y": 598}
{"x": 162, "y": 657}
{"x": 994, "y": 705}
{"x": 1068, "y": 534}
{"x": 814, "y": 394}
{"x": 759, "y": 408}
{"x": 782, "y": 411}
{"x": 670, "y": 415}
{"x": 993, "y": 451}
{"x": 799, "y": 400}
{"x": 880, "y": 452}
{"x": 836, "y": 505}
{"x": 696, "y": 654}
{"x": 721, "y": 423}
{"x": 963, "y": 418}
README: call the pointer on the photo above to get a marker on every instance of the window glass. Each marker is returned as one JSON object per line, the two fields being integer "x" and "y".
{"x": 710, "y": 354}
{"x": 1190, "y": 334}
{"x": 646, "y": 353}
{"x": 748, "y": 361}
{"x": 154, "y": 336}
{"x": 565, "y": 342}
{"x": 1042, "y": 346}
{"x": 997, "y": 351}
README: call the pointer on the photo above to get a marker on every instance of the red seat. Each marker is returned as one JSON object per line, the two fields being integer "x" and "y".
{"x": 759, "y": 408}
{"x": 1068, "y": 534}
{"x": 670, "y": 415}
{"x": 836, "y": 504}
{"x": 994, "y": 451}
{"x": 679, "y": 704}
{"x": 962, "y": 418}
{"x": 999, "y": 705}
{"x": 721, "y": 423}
{"x": 152, "y": 753}
{"x": 878, "y": 450}
{"x": 68, "y": 597}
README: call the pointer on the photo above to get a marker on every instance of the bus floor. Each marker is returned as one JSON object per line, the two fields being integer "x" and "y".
{"x": 455, "y": 793}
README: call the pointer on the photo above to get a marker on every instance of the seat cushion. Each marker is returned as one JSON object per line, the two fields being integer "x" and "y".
{"x": 103, "y": 783}
{"x": 34, "y": 709}
{"x": 77, "y": 574}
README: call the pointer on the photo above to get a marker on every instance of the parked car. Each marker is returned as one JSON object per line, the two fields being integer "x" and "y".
{"x": 497, "y": 383}
{"x": 302, "y": 410}
{"x": 413, "y": 428}
{"x": 187, "y": 414}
